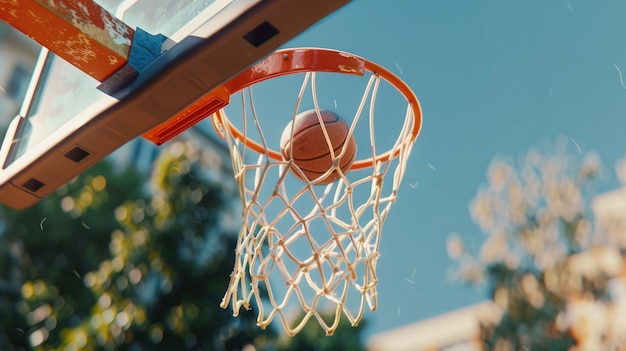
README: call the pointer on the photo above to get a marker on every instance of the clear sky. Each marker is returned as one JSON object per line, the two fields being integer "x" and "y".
{"x": 495, "y": 77}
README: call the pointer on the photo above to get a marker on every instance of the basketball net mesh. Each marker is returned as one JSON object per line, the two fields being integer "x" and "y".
{"x": 311, "y": 246}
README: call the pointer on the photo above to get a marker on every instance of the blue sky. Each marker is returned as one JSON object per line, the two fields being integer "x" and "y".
{"x": 494, "y": 77}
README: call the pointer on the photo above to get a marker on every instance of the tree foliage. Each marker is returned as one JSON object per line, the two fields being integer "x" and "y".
{"x": 112, "y": 262}
{"x": 45, "y": 249}
{"x": 542, "y": 259}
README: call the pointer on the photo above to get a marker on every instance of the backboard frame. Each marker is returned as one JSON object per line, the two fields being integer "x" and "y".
{"x": 213, "y": 53}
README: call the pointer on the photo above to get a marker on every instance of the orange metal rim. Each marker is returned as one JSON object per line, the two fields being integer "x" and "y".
{"x": 291, "y": 61}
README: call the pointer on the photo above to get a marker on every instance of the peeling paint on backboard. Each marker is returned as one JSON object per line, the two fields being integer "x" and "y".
{"x": 80, "y": 31}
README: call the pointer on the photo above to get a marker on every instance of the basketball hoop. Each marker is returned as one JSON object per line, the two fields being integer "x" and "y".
{"x": 303, "y": 244}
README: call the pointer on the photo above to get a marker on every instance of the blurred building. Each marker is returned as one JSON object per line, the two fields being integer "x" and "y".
{"x": 603, "y": 325}
{"x": 609, "y": 210}
{"x": 454, "y": 331}
{"x": 599, "y": 325}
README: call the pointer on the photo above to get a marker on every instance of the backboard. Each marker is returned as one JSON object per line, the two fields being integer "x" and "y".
{"x": 66, "y": 124}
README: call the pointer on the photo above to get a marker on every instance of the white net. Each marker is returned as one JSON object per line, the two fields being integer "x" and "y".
{"x": 312, "y": 248}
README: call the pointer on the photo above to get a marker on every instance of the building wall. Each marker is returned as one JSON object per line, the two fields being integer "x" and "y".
{"x": 454, "y": 331}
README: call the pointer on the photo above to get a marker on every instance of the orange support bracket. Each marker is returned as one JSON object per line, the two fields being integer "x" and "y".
{"x": 86, "y": 35}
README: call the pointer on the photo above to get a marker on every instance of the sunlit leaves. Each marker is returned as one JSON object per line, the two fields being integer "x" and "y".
{"x": 528, "y": 205}
{"x": 114, "y": 268}
{"x": 455, "y": 246}
{"x": 158, "y": 287}
{"x": 92, "y": 193}
{"x": 541, "y": 253}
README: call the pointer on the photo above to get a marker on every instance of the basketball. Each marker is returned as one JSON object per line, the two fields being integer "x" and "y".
{"x": 310, "y": 148}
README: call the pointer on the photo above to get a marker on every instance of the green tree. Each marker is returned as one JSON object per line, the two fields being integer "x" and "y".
{"x": 537, "y": 260}
{"x": 45, "y": 249}
{"x": 168, "y": 266}
{"x": 114, "y": 262}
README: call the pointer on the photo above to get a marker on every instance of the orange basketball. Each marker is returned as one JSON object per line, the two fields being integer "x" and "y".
{"x": 310, "y": 148}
